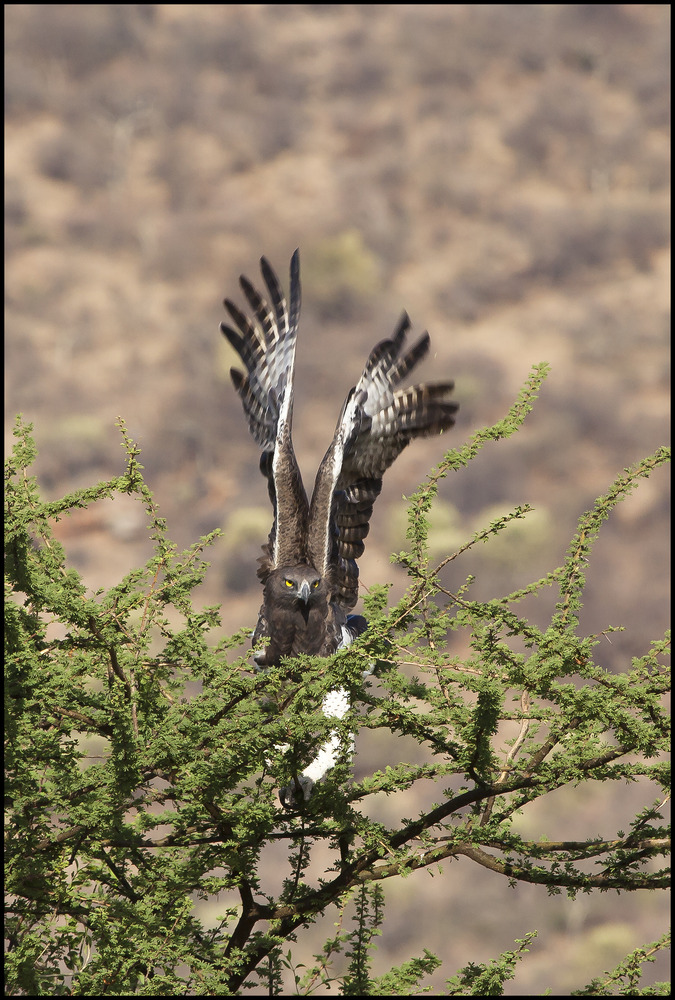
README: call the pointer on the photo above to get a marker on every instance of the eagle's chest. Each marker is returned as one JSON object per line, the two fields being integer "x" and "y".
{"x": 291, "y": 627}
{"x": 299, "y": 627}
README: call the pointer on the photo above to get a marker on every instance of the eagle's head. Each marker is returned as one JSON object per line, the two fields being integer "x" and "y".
{"x": 301, "y": 583}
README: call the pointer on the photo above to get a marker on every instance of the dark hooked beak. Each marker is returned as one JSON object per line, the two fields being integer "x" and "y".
{"x": 304, "y": 592}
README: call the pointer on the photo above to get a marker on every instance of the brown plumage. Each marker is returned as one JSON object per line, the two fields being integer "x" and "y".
{"x": 309, "y": 568}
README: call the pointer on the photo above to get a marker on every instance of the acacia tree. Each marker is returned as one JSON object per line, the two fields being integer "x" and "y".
{"x": 108, "y": 853}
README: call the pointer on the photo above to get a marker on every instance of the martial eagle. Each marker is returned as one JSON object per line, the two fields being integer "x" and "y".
{"x": 309, "y": 570}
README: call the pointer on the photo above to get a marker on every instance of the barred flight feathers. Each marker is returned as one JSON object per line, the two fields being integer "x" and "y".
{"x": 266, "y": 345}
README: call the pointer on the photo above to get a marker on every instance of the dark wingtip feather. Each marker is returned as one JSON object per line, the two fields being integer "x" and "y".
{"x": 402, "y": 326}
{"x": 269, "y": 274}
{"x": 235, "y": 339}
{"x": 249, "y": 291}
{"x": 419, "y": 350}
{"x": 296, "y": 292}
{"x": 410, "y": 359}
{"x": 237, "y": 315}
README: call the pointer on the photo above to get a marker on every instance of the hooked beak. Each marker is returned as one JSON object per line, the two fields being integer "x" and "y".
{"x": 304, "y": 592}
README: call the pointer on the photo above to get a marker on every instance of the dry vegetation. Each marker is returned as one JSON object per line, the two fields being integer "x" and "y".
{"x": 499, "y": 170}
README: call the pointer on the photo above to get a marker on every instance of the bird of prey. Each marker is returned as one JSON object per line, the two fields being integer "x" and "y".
{"x": 309, "y": 565}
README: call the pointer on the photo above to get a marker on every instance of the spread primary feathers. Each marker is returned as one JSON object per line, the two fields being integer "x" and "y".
{"x": 309, "y": 570}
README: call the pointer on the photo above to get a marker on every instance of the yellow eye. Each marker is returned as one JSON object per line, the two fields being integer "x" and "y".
{"x": 289, "y": 583}
{"x": 315, "y": 584}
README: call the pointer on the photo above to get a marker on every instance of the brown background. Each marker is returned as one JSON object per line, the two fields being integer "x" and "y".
{"x": 500, "y": 171}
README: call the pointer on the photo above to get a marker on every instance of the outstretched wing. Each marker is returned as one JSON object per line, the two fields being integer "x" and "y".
{"x": 377, "y": 422}
{"x": 265, "y": 342}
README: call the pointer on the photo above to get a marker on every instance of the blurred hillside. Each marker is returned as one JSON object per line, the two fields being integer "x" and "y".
{"x": 501, "y": 171}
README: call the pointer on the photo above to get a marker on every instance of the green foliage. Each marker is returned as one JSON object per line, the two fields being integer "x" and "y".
{"x": 143, "y": 760}
{"x": 487, "y": 980}
{"x": 625, "y": 979}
